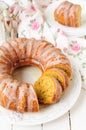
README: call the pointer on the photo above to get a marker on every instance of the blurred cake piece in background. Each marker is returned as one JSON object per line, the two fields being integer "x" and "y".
{"x": 68, "y": 14}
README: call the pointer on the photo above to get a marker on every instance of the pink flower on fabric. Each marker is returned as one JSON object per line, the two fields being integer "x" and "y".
{"x": 35, "y": 26}
{"x": 12, "y": 9}
{"x": 44, "y": 6}
{"x": 33, "y": 8}
{"x": 42, "y": 37}
{"x": 65, "y": 48}
{"x": 63, "y": 33}
{"x": 76, "y": 47}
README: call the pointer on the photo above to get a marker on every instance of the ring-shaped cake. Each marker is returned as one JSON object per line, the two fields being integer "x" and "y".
{"x": 55, "y": 67}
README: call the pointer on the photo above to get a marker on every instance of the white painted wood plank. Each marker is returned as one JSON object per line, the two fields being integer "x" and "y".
{"x": 59, "y": 124}
{"x": 37, "y": 127}
{"x": 4, "y": 125}
{"x": 78, "y": 113}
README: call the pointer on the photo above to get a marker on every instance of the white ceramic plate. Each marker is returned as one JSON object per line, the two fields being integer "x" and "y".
{"x": 80, "y": 31}
{"x": 47, "y": 113}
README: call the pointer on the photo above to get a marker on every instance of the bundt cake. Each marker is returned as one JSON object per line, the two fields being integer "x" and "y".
{"x": 48, "y": 90}
{"x": 21, "y": 96}
{"x": 68, "y": 14}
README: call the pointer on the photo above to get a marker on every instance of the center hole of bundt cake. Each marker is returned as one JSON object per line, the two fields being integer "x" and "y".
{"x": 27, "y": 74}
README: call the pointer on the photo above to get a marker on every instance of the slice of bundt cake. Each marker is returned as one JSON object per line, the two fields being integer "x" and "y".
{"x": 48, "y": 90}
{"x": 18, "y": 96}
{"x": 60, "y": 75}
{"x": 68, "y": 14}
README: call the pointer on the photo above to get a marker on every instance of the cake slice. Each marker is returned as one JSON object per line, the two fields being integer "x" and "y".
{"x": 48, "y": 90}
{"x": 60, "y": 75}
{"x": 68, "y": 14}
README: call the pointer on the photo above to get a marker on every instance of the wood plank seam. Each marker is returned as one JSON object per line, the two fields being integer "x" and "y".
{"x": 69, "y": 120}
{"x": 41, "y": 126}
{"x": 11, "y": 126}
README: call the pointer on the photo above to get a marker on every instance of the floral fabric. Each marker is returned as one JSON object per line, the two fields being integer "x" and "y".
{"x": 77, "y": 50}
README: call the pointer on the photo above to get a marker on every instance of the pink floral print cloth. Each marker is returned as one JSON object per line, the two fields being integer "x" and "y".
{"x": 74, "y": 48}
{"x": 30, "y": 20}
{"x": 77, "y": 50}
